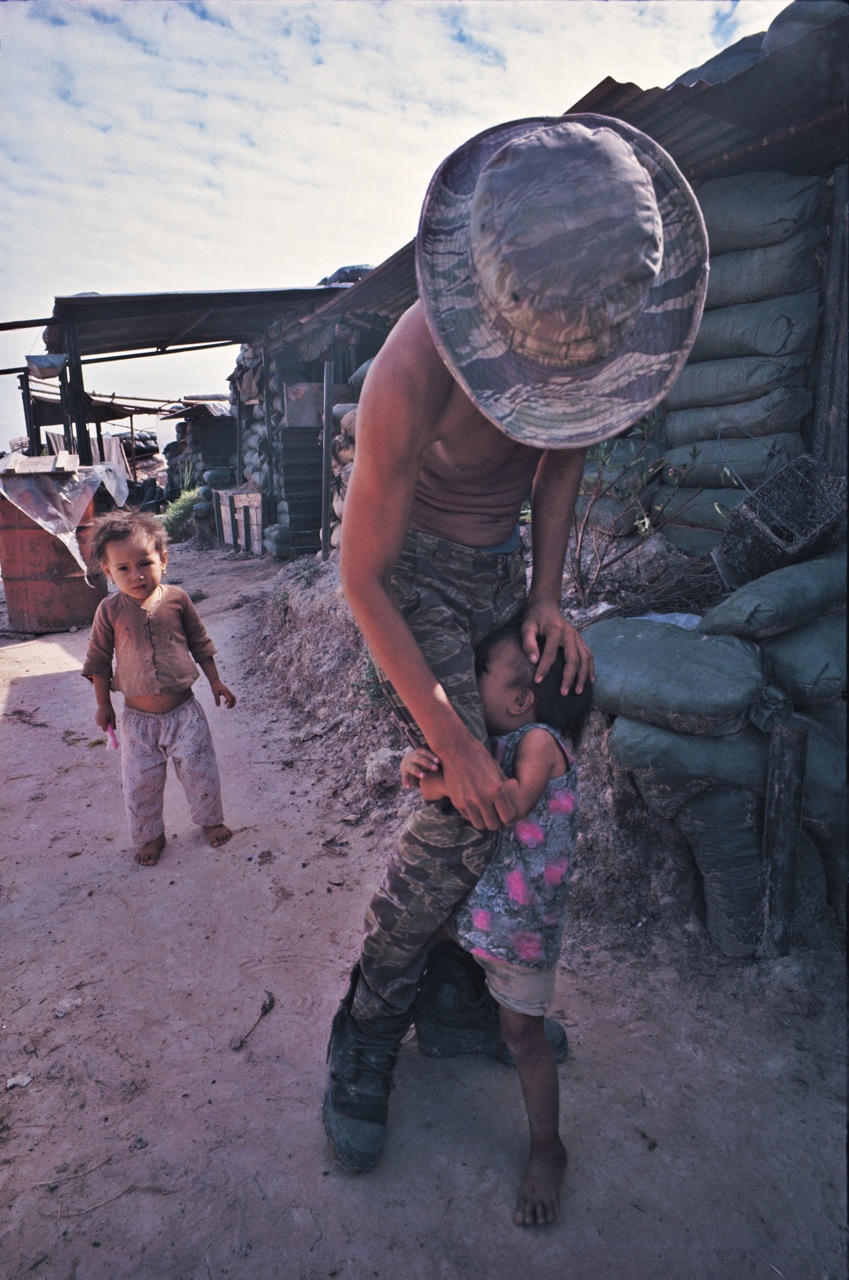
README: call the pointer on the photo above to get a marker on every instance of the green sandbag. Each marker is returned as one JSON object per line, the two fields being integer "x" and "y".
{"x": 774, "y": 327}
{"x": 668, "y": 676}
{"x": 782, "y": 600}
{"x": 750, "y": 275}
{"x": 693, "y": 542}
{"x": 783, "y": 409}
{"x": 693, "y": 508}
{"x": 756, "y": 209}
{"x": 831, "y": 718}
{"x": 809, "y": 663}
{"x": 615, "y": 516}
{"x": 731, "y": 463}
{"x": 623, "y": 467}
{"x": 716, "y": 382}
{"x": 670, "y": 768}
{"x": 724, "y": 828}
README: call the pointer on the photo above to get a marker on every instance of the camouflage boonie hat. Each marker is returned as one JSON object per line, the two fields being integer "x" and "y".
{"x": 562, "y": 266}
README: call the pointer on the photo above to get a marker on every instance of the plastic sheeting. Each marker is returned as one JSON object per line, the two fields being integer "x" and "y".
{"x": 58, "y": 502}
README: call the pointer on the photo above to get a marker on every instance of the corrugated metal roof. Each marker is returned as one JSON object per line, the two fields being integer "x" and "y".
{"x": 788, "y": 111}
{"x": 108, "y": 323}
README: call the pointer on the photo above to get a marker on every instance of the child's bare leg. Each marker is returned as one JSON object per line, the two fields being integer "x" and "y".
{"x": 148, "y": 854}
{"x": 539, "y": 1195}
{"x": 217, "y": 835}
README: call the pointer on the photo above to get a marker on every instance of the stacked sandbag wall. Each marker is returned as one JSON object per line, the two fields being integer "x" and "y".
{"x": 693, "y": 710}
{"x": 281, "y": 406}
{"x": 342, "y": 449}
{"x": 742, "y": 405}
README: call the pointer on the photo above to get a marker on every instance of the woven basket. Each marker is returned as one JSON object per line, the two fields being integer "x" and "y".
{"x": 797, "y": 513}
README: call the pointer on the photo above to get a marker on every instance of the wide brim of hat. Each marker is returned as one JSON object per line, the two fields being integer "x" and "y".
{"x": 528, "y": 400}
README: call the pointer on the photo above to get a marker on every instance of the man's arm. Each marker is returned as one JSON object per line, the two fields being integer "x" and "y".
{"x": 403, "y": 399}
{"x": 544, "y": 629}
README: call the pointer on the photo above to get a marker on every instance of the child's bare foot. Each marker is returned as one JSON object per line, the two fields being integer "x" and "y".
{"x": 148, "y": 854}
{"x": 218, "y": 835}
{"x": 539, "y": 1196}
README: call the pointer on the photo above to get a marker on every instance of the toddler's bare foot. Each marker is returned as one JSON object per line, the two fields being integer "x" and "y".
{"x": 218, "y": 835}
{"x": 539, "y": 1196}
{"x": 148, "y": 854}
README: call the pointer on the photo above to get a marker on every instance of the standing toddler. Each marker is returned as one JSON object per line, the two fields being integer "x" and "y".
{"x": 153, "y": 632}
{"x": 512, "y": 921}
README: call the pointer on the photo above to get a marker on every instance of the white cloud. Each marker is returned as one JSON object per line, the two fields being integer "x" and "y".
{"x": 164, "y": 145}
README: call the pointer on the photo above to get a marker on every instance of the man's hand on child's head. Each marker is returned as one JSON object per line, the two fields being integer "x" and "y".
{"x": 417, "y": 764}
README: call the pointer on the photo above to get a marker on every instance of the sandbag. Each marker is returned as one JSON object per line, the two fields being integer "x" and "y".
{"x": 358, "y": 377}
{"x": 626, "y": 466}
{"x": 831, "y": 718}
{"x": 724, "y": 828}
{"x": 716, "y": 382}
{"x": 693, "y": 508}
{"x": 783, "y": 409}
{"x": 671, "y": 768}
{"x": 756, "y": 209}
{"x": 617, "y": 517}
{"x": 774, "y": 327}
{"x": 733, "y": 463}
{"x": 218, "y": 477}
{"x": 672, "y": 677}
{"x": 809, "y": 663}
{"x": 782, "y": 600}
{"x": 693, "y": 542}
{"x": 749, "y": 275}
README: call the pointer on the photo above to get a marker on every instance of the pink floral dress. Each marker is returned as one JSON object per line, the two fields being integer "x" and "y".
{"x": 517, "y": 909}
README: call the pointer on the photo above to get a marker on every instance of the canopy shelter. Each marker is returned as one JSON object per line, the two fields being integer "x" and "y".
{"x": 98, "y": 328}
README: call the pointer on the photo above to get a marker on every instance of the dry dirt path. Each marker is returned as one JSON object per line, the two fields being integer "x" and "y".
{"x": 704, "y": 1115}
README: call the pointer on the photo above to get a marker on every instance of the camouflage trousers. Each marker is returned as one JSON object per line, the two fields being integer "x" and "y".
{"x": 452, "y": 597}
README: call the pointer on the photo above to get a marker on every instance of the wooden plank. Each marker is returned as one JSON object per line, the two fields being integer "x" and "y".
{"x": 788, "y": 749}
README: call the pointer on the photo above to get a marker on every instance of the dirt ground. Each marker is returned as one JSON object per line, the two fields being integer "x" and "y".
{"x": 703, "y": 1101}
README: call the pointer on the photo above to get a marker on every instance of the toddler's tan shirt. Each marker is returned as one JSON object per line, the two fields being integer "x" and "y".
{"x": 153, "y": 648}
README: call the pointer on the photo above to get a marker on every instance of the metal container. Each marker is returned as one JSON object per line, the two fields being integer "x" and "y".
{"x": 46, "y": 589}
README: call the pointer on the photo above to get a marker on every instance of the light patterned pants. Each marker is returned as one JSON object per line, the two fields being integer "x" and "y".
{"x": 148, "y": 741}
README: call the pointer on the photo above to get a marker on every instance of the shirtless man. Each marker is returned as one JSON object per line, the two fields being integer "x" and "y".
{"x": 562, "y": 272}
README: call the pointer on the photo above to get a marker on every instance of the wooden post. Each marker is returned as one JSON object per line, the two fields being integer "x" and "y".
{"x": 239, "y": 434}
{"x": 788, "y": 750}
{"x": 133, "y": 449}
{"x": 234, "y": 524}
{"x": 33, "y": 430}
{"x": 77, "y": 393}
{"x": 326, "y": 440}
{"x": 216, "y": 511}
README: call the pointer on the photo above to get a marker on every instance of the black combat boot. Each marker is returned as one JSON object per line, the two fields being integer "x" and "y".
{"x": 454, "y": 1012}
{"x": 361, "y": 1056}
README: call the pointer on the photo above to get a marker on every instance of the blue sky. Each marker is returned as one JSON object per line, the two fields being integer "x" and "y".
{"x": 151, "y": 145}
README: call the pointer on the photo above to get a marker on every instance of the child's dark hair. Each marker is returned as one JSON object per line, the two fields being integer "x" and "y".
{"x": 566, "y": 712}
{"x": 118, "y": 525}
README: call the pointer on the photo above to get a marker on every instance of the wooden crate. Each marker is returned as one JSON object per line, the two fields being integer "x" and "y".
{"x": 238, "y": 519}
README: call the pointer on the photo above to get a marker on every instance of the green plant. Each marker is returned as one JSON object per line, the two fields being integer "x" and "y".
{"x": 366, "y": 686}
{"x": 178, "y": 513}
{"x": 614, "y": 501}
{"x": 185, "y": 473}
{"x": 306, "y": 570}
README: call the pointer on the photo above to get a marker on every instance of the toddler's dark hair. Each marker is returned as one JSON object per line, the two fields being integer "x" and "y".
{"x": 118, "y": 525}
{"x": 566, "y": 712}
